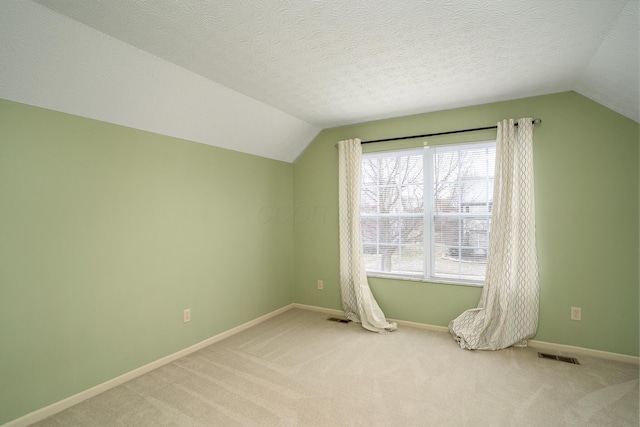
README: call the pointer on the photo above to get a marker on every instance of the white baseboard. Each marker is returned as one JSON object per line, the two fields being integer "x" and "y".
{"x": 61, "y": 405}
{"x": 331, "y": 311}
{"x": 568, "y": 350}
{"x": 399, "y": 322}
{"x": 417, "y": 325}
{"x": 542, "y": 345}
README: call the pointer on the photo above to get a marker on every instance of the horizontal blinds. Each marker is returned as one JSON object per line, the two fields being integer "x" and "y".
{"x": 462, "y": 204}
{"x": 393, "y": 212}
{"x": 427, "y": 212}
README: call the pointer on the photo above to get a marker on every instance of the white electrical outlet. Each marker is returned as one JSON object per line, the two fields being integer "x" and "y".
{"x": 576, "y": 313}
{"x": 320, "y": 284}
{"x": 186, "y": 315}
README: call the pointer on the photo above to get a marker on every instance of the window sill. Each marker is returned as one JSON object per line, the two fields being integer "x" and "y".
{"x": 420, "y": 279}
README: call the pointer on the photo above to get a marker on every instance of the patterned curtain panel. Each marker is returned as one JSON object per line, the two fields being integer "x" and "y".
{"x": 358, "y": 302}
{"x": 507, "y": 314}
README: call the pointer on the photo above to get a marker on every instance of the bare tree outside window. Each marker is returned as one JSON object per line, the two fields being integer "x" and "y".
{"x": 392, "y": 191}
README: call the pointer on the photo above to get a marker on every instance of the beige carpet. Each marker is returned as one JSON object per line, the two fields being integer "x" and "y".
{"x": 298, "y": 369}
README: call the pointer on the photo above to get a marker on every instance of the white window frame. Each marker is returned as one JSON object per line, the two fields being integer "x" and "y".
{"x": 428, "y": 216}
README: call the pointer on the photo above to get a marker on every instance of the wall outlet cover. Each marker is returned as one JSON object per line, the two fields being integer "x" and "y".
{"x": 576, "y": 313}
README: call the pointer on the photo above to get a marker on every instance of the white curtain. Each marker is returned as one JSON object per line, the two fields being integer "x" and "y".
{"x": 507, "y": 313}
{"x": 358, "y": 302}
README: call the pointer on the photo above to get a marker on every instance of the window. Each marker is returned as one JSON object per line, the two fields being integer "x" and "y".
{"x": 426, "y": 213}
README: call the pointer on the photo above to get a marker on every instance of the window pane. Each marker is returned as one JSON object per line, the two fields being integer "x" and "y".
{"x": 445, "y": 166}
{"x": 389, "y": 200}
{"x": 389, "y": 231}
{"x": 478, "y": 161}
{"x": 389, "y": 171}
{"x": 371, "y": 258}
{"x": 491, "y": 161}
{"x": 446, "y": 264}
{"x": 412, "y": 170}
{"x": 474, "y": 197}
{"x": 475, "y": 233}
{"x": 388, "y": 257}
{"x": 369, "y": 229}
{"x": 451, "y": 266}
{"x": 369, "y": 172}
{"x": 369, "y": 199}
{"x": 411, "y": 259}
{"x": 473, "y": 271}
{"x": 446, "y": 231}
{"x": 446, "y": 197}
{"x": 412, "y": 199}
{"x": 412, "y": 231}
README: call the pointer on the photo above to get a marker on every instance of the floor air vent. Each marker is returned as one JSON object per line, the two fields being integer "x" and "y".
{"x": 560, "y": 358}
{"x": 335, "y": 319}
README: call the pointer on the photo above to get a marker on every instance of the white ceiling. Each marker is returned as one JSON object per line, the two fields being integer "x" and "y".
{"x": 264, "y": 76}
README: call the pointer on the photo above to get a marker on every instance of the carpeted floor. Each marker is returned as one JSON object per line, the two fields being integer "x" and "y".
{"x": 298, "y": 369}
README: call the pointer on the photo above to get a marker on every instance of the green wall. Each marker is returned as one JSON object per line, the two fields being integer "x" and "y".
{"x": 108, "y": 233}
{"x": 587, "y": 186}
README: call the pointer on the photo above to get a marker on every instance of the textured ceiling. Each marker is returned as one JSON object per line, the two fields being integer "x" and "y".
{"x": 51, "y": 61}
{"x": 333, "y": 62}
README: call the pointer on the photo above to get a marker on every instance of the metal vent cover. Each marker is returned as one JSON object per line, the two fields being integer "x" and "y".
{"x": 559, "y": 358}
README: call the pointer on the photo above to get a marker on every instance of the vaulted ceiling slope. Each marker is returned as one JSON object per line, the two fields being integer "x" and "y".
{"x": 264, "y": 76}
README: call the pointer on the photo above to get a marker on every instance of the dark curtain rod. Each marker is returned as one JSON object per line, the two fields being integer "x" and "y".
{"x": 449, "y": 132}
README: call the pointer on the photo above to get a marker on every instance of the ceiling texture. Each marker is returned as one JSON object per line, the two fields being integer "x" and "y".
{"x": 265, "y": 76}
